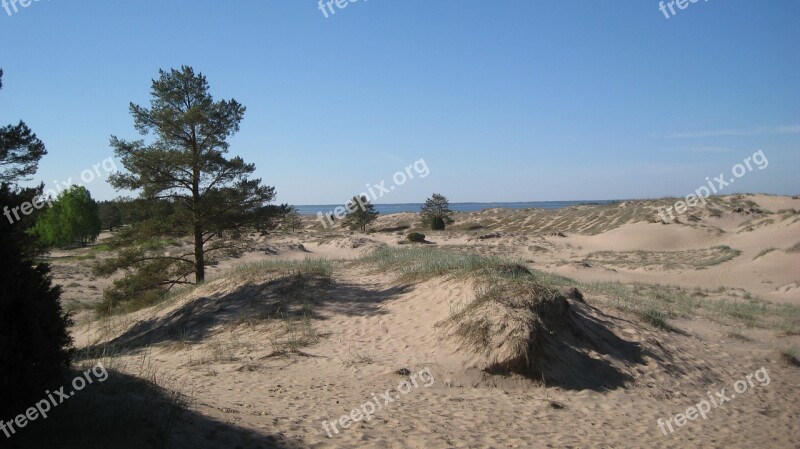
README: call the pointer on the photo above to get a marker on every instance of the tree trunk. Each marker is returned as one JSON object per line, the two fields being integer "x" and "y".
{"x": 199, "y": 263}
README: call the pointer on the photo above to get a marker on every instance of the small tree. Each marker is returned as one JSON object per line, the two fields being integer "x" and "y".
{"x": 436, "y": 213}
{"x": 291, "y": 221}
{"x": 360, "y": 213}
{"x": 73, "y": 217}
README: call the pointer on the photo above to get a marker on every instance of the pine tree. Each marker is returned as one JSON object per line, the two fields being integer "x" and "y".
{"x": 436, "y": 213}
{"x": 360, "y": 213}
{"x": 187, "y": 185}
{"x": 291, "y": 221}
{"x": 20, "y": 150}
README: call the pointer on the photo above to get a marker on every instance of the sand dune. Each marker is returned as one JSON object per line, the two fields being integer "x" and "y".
{"x": 274, "y": 346}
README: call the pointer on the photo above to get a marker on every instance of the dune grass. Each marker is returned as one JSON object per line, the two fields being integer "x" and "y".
{"x": 765, "y": 252}
{"x": 670, "y": 260}
{"x": 654, "y": 304}
{"x": 251, "y": 271}
{"x": 791, "y": 356}
{"x": 723, "y": 305}
{"x": 420, "y": 263}
{"x": 308, "y": 266}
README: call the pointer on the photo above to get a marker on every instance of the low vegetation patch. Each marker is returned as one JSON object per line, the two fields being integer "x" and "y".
{"x": 765, "y": 252}
{"x": 671, "y": 260}
{"x": 791, "y": 356}
{"x": 726, "y": 306}
{"x": 254, "y": 272}
{"x": 416, "y": 237}
{"x": 424, "y": 263}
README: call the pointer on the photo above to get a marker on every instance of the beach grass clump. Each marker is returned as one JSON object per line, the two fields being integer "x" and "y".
{"x": 791, "y": 356}
{"x": 508, "y": 323}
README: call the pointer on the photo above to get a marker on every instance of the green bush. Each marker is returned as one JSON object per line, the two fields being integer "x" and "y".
{"x": 437, "y": 224}
{"x": 416, "y": 237}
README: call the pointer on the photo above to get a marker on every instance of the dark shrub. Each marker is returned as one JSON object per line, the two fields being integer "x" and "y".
{"x": 34, "y": 342}
{"x": 437, "y": 224}
{"x": 416, "y": 237}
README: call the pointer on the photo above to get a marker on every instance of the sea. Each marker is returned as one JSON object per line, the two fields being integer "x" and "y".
{"x": 386, "y": 209}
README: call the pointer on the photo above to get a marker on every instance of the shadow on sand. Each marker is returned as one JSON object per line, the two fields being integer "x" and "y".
{"x": 126, "y": 412}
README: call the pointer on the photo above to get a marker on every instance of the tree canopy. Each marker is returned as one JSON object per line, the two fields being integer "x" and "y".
{"x": 436, "y": 213}
{"x": 185, "y": 171}
{"x": 291, "y": 221}
{"x": 74, "y": 217}
{"x": 20, "y": 150}
{"x": 360, "y": 213}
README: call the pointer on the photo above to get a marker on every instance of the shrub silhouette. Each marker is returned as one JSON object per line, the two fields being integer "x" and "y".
{"x": 416, "y": 237}
{"x": 437, "y": 224}
{"x": 34, "y": 342}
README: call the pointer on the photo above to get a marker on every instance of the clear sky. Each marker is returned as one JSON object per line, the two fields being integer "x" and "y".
{"x": 514, "y": 100}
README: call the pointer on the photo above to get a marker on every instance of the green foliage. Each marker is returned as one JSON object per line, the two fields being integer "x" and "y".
{"x": 436, "y": 213}
{"x": 360, "y": 213}
{"x": 73, "y": 217}
{"x": 416, "y": 237}
{"x": 291, "y": 221}
{"x": 148, "y": 280}
{"x": 437, "y": 224}
{"x": 110, "y": 214}
{"x": 20, "y": 150}
{"x": 187, "y": 187}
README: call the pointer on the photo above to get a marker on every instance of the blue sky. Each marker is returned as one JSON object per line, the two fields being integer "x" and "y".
{"x": 505, "y": 101}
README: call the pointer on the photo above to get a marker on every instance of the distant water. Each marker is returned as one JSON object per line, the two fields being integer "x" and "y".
{"x": 386, "y": 209}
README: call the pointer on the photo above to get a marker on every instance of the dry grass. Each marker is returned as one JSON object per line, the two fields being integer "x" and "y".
{"x": 765, "y": 252}
{"x": 506, "y": 322}
{"x": 727, "y": 306}
{"x": 670, "y": 260}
